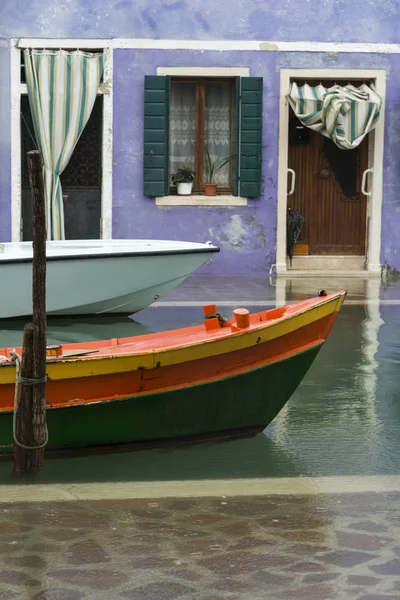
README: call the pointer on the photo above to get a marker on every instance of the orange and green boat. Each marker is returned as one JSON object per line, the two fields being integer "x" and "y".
{"x": 218, "y": 379}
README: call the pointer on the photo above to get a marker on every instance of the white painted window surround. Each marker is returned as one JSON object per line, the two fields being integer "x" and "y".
{"x": 204, "y": 71}
{"x": 200, "y": 200}
{"x": 18, "y": 89}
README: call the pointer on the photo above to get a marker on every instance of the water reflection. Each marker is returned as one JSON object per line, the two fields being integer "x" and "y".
{"x": 64, "y": 330}
{"x": 334, "y": 421}
{"x": 247, "y": 457}
{"x": 344, "y": 418}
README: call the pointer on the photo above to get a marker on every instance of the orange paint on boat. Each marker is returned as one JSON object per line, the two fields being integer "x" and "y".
{"x": 188, "y": 335}
{"x": 98, "y": 387}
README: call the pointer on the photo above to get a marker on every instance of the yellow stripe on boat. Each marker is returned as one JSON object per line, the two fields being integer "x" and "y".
{"x": 104, "y": 365}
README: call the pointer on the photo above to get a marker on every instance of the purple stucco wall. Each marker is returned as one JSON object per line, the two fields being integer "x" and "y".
{"x": 390, "y": 244}
{"x": 327, "y": 20}
{"x": 247, "y": 235}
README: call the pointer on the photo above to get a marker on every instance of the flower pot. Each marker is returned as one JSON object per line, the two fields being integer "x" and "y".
{"x": 210, "y": 189}
{"x": 184, "y": 189}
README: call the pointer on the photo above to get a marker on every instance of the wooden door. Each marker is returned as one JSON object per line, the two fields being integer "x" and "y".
{"x": 81, "y": 179}
{"x": 328, "y": 195}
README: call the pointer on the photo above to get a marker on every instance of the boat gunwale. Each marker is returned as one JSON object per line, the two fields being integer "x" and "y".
{"x": 65, "y": 367}
{"x": 104, "y": 255}
{"x": 212, "y": 336}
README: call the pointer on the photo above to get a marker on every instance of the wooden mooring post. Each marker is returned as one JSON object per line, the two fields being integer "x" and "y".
{"x": 30, "y": 430}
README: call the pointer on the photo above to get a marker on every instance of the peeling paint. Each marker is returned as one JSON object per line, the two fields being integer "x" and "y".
{"x": 232, "y": 232}
{"x": 105, "y": 87}
{"x": 260, "y": 237}
{"x": 268, "y": 46}
{"x": 375, "y": 22}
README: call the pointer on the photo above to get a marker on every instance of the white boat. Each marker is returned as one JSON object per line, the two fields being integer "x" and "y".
{"x": 97, "y": 276}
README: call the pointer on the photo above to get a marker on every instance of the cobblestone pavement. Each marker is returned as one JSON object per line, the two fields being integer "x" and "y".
{"x": 344, "y": 546}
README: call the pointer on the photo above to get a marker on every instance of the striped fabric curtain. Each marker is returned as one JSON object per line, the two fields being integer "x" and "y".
{"x": 345, "y": 114}
{"x": 62, "y": 88}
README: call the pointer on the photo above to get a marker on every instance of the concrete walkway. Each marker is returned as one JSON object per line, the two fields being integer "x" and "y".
{"x": 266, "y": 547}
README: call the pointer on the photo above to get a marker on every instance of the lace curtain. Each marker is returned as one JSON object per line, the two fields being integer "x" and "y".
{"x": 182, "y": 140}
{"x": 218, "y": 126}
{"x": 182, "y": 125}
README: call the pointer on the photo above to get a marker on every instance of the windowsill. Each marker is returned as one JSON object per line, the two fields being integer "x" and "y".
{"x": 197, "y": 200}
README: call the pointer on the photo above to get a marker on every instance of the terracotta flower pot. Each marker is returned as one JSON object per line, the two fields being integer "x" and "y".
{"x": 210, "y": 189}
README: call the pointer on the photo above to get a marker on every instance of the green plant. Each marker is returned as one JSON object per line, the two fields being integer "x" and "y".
{"x": 213, "y": 166}
{"x": 184, "y": 174}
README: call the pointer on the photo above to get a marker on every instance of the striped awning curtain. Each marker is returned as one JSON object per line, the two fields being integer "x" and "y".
{"x": 62, "y": 88}
{"x": 345, "y": 114}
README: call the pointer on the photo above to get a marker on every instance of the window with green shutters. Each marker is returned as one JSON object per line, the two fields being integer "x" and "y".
{"x": 184, "y": 118}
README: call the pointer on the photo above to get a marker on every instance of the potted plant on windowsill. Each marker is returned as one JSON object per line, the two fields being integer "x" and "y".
{"x": 183, "y": 179}
{"x": 211, "y": 168}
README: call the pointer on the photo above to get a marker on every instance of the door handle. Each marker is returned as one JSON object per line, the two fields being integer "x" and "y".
{"x": 65, "y": 196}
{"x": 364, "y": 182}
{"x": 293, "y": 181}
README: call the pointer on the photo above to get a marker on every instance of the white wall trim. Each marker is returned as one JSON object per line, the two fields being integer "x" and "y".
{"x": 198, "y": 200}
{"x": 375, "y": 208}
{"x": 204, "y": 71}
{"x": 18, "y": 88}
{"x": 376, "y": 198}
{"x": 107, "y": 148}
{"x": 58, "y": 42}
{"x": 217, "y": 45}
{"x": 15, "y": 145}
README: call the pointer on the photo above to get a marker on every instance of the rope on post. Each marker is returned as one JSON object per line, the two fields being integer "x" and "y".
{"x": 30, "y": 380}
{"x": 15, "y": 358}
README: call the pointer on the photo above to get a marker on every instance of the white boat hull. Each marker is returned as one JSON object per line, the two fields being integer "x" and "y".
{"x": 97, "y": 277}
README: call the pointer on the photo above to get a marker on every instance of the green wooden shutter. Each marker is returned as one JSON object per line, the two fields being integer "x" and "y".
{"x": 250, "y": 136}
{"x": 156, "y": 121}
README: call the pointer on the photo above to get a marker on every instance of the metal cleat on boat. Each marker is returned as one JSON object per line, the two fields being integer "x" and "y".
{"x": 212, "y": 318}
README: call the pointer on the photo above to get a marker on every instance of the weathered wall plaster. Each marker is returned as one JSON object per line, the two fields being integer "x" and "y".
{"x": 246, "y": 234}
{"x": 251, "y": 247}
{"x": 330, "y": 20}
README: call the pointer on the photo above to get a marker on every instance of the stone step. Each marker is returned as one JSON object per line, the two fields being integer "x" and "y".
{"x": 326, "y": 263}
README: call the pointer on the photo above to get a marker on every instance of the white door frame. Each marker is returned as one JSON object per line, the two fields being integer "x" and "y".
{"x": 374, "y": 202}
{"x": 18, "y": 88}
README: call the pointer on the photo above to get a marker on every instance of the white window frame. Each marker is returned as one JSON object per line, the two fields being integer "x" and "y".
{"x": 194, "y": 199}
{"x": 18, "y": 89}
{"x": 375, "y": 160}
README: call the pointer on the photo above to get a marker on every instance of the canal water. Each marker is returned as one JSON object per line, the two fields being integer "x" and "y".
{"x": 344, "y": 419}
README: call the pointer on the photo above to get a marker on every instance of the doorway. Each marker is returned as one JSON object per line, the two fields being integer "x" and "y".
{"x": 327, "y": 193}
{"x": 342, "y": 229}
{"x": 81, "y": 179}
